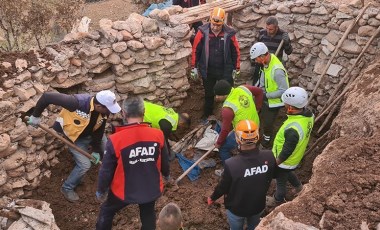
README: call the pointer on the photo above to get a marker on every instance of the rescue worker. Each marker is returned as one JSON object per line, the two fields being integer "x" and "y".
{"x": 239, "y": 103}
{"x": 291, "y": 140}
{"x": 165, "y": 119}
{"x": 134, "y": 163}
{"x": 246, "y": 179}
{"x": 272, "y": 36}
{"x": 215, "y": 56}
{"x": 274, "y": 81}
{"x": 170, "y": 218}
{"x": 82, "y": 120}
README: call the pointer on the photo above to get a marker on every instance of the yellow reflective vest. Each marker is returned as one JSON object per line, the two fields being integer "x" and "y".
{"x": 270, "y": 83}
{"x": 240, "y": 100}
{"x": 303, "y": 125}
{"x": 154, "y": 113}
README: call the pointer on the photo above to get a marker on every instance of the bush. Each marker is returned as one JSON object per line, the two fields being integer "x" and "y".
{"x": 33, "y": 21}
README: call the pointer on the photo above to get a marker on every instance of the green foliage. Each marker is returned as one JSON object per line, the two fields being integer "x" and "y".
{"x": 32, "y": 21}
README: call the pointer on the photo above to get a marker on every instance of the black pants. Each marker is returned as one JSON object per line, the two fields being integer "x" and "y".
{"x": 256, "y": 73}
{"x": 268, "y": 118}
{"x": 113, "y": 205}
{"x": 208, "y": 84}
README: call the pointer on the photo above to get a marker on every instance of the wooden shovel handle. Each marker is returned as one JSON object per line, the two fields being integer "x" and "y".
{"x": 64, "y": 140}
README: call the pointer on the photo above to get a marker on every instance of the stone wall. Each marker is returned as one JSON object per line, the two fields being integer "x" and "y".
{"x": 140, "y": 55}
{"x": 315, "y": 28}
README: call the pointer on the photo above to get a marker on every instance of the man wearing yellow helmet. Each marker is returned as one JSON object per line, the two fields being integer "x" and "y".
{"x": 246, "y": 179}
{"x": 215, "y": 56}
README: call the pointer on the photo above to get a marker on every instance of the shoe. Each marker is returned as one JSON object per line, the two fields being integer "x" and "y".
{"x": 70, "y": 195}
{"x": 272, "y": 202}
{"x": 298, "y": 190}
{"x": 171, "y": 155}
{"x": 219, "y": 172}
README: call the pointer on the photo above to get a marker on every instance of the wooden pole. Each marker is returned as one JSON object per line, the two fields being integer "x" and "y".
{"x": 327, "y": 118}
{"x": 195, "y": 164}
{"x": 352, "y": 67}
{"x": 348, "y": 30}
{"x": 64, "y": 140}
{"x": 279, "y": 48}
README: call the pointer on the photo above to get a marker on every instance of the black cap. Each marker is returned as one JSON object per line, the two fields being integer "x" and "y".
{"x": 222, "y": 88}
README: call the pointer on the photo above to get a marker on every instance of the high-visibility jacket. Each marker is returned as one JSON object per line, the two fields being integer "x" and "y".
{"x": 270, "y": 83}
{"x": 303, "y": 125}
{"x": 240, "y": 100}
{"x": 74, "y": 123}
{"x": 154, "y": 113}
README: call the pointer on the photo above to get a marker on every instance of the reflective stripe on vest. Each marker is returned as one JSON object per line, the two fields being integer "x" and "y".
{"x": 303, "y": 125}
{"x": 240, "y": 100}
{"x": 270, "y": 83}
{"x": 154, "y": 113}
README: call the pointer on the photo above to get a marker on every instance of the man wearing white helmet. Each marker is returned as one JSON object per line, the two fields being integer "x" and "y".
{"x": 274, "y": 82}
{"x": 291, "y": 140}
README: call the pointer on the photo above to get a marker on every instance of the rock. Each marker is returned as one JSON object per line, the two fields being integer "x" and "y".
{"x": 149, "y": 25}
{"x": 119, "y": 47}
{"x": 366, "y": 31}
{"x": 5, "y": 141}
{"x": 100, "y": 68}
{"x": 113, "y": 59}
{"x": 14, "y": 161}
{"x": 301, "y": 10}
{"x": 6, "y": 109}
{"x": 135, "y": 45}
{"x": 130, "y": 76}
{"x": 152, "y": 43}
{"x": 26, "y": 75}
{"x": 351, "y": 47}
{"x": 183, "y": 52}
{"x": 333, "y": 37}
{"x": 179, "y": 31}
{"x": 334, "y": 69}
{"x": 6, "y": 65}
{"x": 3, "y": 176}
{"x": 21, "y": 64}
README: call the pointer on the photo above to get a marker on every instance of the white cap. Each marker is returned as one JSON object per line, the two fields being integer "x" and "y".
{"x": 108, "y": 99}
{"x": 295, "y": 96}
{"x": 258, "y": 49}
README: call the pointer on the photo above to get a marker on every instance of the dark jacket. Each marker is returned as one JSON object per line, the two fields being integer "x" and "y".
{"x": 245, "y": 182}
{"x": 200, "y": 54}
{"x": 273, "y": 42}
{"x": 186, "y": 4}
{"x": 135, "y": 159}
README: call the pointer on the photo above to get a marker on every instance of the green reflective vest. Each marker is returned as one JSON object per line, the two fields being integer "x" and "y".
{"x": 240, "y": 100}
{"x": 303, "y": 125}
{"x": 154, "y": 113}
{"x": 270, "y": 83}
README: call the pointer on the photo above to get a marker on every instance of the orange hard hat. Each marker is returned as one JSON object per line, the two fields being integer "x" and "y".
{"x": 217, "y": 16}
{"x": 246, "y": 132}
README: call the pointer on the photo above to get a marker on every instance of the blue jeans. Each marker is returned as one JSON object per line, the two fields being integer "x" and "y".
{"x": 227, "y": 147}
{"x": 237, "y": 222}
{"x": 82, "y": 163}
{"x": 112, "y": 205}
{"x": 283, "y": 176}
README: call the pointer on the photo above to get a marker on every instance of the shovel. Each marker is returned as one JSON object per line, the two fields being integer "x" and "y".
{"x": 191, "y": 167}
{"x": 64, "y": 140}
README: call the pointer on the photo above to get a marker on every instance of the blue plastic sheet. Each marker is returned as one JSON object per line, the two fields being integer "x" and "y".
{"x": 159, "y": 6}
{"x": 185, "y": 164}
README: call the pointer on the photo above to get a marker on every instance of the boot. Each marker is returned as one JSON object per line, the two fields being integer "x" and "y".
{"x": 70, "y": 195}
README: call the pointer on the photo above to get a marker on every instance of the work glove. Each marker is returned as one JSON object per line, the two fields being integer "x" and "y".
{"x": 34, "y": 121}
{"x": 194, "y": 74}
{"x": 235, "y": 74}
{"x": 96, "y": 158}
{"x": 209, "y": 201}
{"x": 285, "y": 37}
{"x": 101, "y": 197}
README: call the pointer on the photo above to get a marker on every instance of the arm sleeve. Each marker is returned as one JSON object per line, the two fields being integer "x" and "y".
{"x": 165, "y": 167}
{"x": 235, "y": 52}
{"x": 288, "y": 49}
{"x": 107, "y": 169}
{"x": 176, "y": 2}
{"x": 166, "y": 127}
{"x": 291, "y": 141}
{"x": 223, "y": 186}
{"x": 258, "y": 95}
{"x": 97, "y": 137}
{"x": 68, "y": 102}
{"x": 227, "y": 117}
{"x": 197, "y": 49}
{"x": 280, "y": 78}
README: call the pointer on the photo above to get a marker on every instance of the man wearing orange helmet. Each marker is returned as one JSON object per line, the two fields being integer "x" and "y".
{"x": 246, "y": 179}
{"x": 215, "y": 56}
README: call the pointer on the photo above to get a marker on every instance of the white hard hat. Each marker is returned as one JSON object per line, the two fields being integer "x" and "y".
{"x": 258, "y": 49}
{"x": 295, "y": 96}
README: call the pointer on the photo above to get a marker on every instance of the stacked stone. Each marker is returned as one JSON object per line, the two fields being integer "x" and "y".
{"x": 26, "y": 153}
{"x": 315, "y": 28}
{"x": 144, "y": 56}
